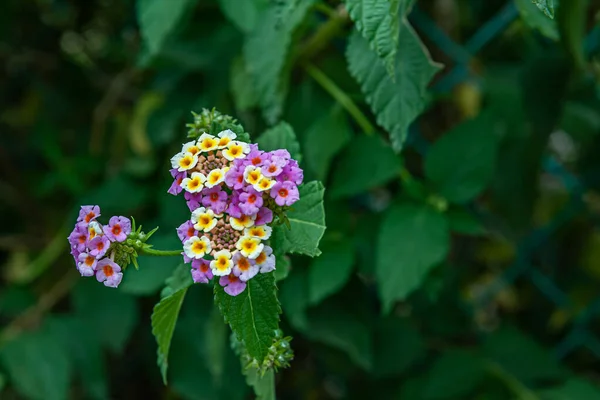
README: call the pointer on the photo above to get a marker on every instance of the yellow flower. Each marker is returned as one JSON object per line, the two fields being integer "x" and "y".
{"x": 249, "y": 247}
{"x": 222, "y": 263}
{"x": 94, "y": 229}
{"x": 263, "y": 184}
{"x": 184, "y": 161}
{"x": 225, "y": 137}
{"x": 196, "y": 247}
{"x": 245, "y": 221}
{"x": 195, "y": 183}
{"x": 236, "y": 150}
{"x": 252, "y": 174}
{"x": 190, "y": 147}
{"x": 262, "y": 232}
{"x": 204, "y": 219}
{"x": 207, "y": 142}
{"x": 215, "y": 177}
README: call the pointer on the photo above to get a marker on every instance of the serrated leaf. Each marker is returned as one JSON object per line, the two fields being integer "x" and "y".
{"x": 459, "y": 179}
{"x": 307, "y": 222}
{"x": 181, "y": 278}
{"x": 378, "y": 22}
{"x": 324, "y": 139}
{"x": 265, "y": 51}
{"x": 164, "y": 318}
{"x": 281, "y": 136}
{"x": 378, "y": 165}
{"x": 244, "y": 14}
{"x": 534, "y": 17}
{"x": 412, "y": 239}
{"x": 547, "y": 7}
{"x": 396, "y": 104}
{"x": 158, "y": 19}
{"x": 331, "y": 270}
{"x": 253, "y": 315}
{"x": 264, "y": 386}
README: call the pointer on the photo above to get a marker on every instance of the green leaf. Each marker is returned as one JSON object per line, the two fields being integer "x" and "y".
{"x": 572, "y": 20}
{"x": 281, "y": 136}
{"x": 547, "y": 6}
{"x": 100, "y": 307}
{"x": 294, "y": 298}
{"x": 459, "y": 179}
{"x": 158, "y": 19}
{"x": 284, "y": 264}
{"x": 573, "y": 389}
{"x": 150, "y": 277}
{"x": 324, "y": 139}
{"x": 307, "y": 222}
{"x": 265, "y": 51}
{"x": 243, "y": 14}
{"x": 264, "y": 386}
{"x": 164, "y": 318}
{"x": 253, "y": 315}
{"x": 395, "y": 103}
{"x": 366, "y": 162}
{"x": 535, "y": 19}
{"x": 378, "y": 22}
{"x": 180, "y": 278}
{"x": 396, "y": 346}
{"x": 331, "y": 270}
{"x": 242, "y": 88}
{"x": 521, "y": 356}
{"x": 455, "y": 374}
{"x": 412, "y": 239}
{"x": 38, "y": 365}
{"x": 464, "y": 222}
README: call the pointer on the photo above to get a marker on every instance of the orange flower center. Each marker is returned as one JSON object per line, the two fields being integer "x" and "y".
{"x": 89, "y": 216}
{"x": 190, "y": 231}
{"x": 272, "y": 168}
{"x": 233, "y": 278}
{"x": 89, "y": 260}
{"x": 262, "y": 257}
{"x": 116, "y": 230}
{"x": 283, "y": 192}
{"x": 204, "y": 268}
{"x": 251, "y": 198}
{"x": 214, "y": 196}
{"x": 243, "y": 264}
{"x": 108, "y": 271}
{"x": 256, "y": 160}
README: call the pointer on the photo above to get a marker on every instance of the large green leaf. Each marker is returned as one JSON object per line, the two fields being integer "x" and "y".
{"x": 412, "y": 239}
{"x": 265, "y": 51}
{"x": 535, "y": 18}
{"x": 253, "y": 315}
{"x": 281, "y": 136}
{"x": 396, "y": 103}
{"x": 307, "y": 222}
{"x": 158, "y": 19}
{"x": 243, "y": 14}
{"x": 396, "y": 346}
{"x": 164, "y": 318}
{"x": 329, "y": 272}
{"x": 462, "y": 162}
{"x": 38, "y": 365}
{"x": 378, "y": 22}
{"x": 263, "y": 385}
{"x": 365, "y": 163}
{"x": 573, "y": 389}
{"x": 324, "y": 139}
{"x": 242, "y": 86}
{"x": 572, "y": 20}
{"x": 547, "y": 6}
{"x": 455, "y": 374}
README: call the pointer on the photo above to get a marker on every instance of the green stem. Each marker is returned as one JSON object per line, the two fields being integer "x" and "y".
{"x": 341, "y": 97}
{"x": 159, "y": 253}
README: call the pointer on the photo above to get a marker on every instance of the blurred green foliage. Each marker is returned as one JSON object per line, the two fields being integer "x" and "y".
{"x": 460, "y": 259}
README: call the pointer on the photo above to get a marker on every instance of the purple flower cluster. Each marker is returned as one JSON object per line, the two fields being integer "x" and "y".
{"x": 91, "y": 245}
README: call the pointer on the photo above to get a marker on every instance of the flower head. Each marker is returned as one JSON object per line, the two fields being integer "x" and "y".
{"x": 285, "y": 193}
{"x": 232, "y": 284}
{"x": 87, "y": 264}
{"x": 109, "y": 273}
{"x": 117, "y": 229}
{"x": 88, "y": 213}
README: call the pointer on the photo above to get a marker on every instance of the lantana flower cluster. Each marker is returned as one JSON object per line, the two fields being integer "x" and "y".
{"x": 93, "y": 246}
{"x": 232, "y": 189}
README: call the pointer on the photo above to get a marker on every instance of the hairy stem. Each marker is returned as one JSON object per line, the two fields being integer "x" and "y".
{"x": 159, "y": 253}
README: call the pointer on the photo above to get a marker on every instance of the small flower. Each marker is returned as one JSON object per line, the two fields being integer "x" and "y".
{"x": 176, "y": 188}
{"x": 249, "y": 247}
{"x": 252, "y": 174}
{"x": 184, "y": 161}
{"x": 262, "y": 232}
{"x": 99, "y": 246}
{"x": 193, "y": 200}
{"x": 256, "y": 157}
{"x": 225, "y": 137}
{"x": 117, "y": 229}
{"x": 243, "y": 267}
{"x": 201, "y": 272}
{"x": 283, "y": 153}
{"x": 235, "y": 150}
{"x": 196, "y": 247}
{"x": 244, "y": 221}
{"x": 250, "y": 201}
{"x": 222, "y": 263}
{"x": 264, "y": 216}
{"x": 264, "y": 184}
{"x": 232, "y": 284}
{"x": 109, "y": 273}
{"x": 191, "y": 147}
{"x": 207, "y": 142}
{"x": 273, "y": 167}
{"x": 79, "y": 237}
{"x": 87, "y": 264}
{"x": 266, "y": 260}
{"x": 94, "y": 229}
{"x": 204, "y": 219}
{"x": 285, "y": 193}
{"x": 186, "y": 231}
{"x": 195, "y": 183}
{"x": 234, "y": 210}
{"x": 234, "y": 178}
{"x": 215, "y": 198}
{"x": 291, "y": 172}
{"x": 215, "y": 177}
{"x": 88, "y": 213}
